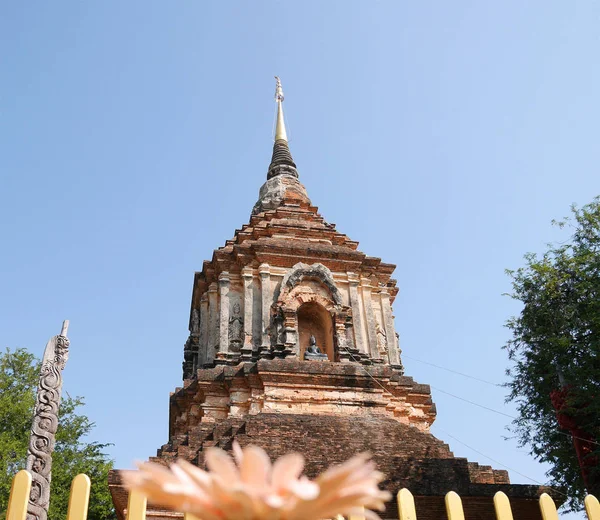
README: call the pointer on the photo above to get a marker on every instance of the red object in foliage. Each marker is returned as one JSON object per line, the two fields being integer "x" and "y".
{"x": 583, "y": 441}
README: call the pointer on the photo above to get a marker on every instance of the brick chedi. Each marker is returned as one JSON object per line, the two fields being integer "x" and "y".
{"x": 293, "y": 347}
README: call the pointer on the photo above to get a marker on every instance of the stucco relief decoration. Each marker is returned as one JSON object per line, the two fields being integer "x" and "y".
{"x": 382, "y": 345}
{"x": 316, "y": 272}
{"x": 236, "y": 328}
{"x": 195, "y": 322}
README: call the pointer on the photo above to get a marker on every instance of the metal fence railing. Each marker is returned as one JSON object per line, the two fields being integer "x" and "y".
{"x": 136, "y": 506}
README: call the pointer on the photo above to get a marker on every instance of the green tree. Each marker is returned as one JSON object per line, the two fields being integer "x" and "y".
{"x": 556, "y": 344}
{"x": 19, "y": 373}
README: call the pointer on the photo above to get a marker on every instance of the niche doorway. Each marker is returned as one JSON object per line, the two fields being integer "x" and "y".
{"x": 315, "y": 319}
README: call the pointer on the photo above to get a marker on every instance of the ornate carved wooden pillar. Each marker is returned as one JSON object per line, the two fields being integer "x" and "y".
{"x": 371, "y": 321}
{"x": 45, "y": 423}
{"x": 213, "y": 323}
{"x": 357, "y": 319}
{"x": 223, "y": 353}
{"x": 267, "y": 297}
{"x": 390, "y": 331}
{"x": 247, "y": 347}
{"x": 203, "y": 340}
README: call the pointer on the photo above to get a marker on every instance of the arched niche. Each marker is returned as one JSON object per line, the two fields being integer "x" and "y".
{"x": 308, "y": 294}
{"x": 303, "y": 272}
{"x": 314, "y": 319}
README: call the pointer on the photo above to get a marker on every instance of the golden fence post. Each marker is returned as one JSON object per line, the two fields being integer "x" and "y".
{"x": 136, "y": 506}
{"x": 79, "y": 498}
{"x": 406, "y": 505}
{"x": 502, "y": 507}
{"x": 357, "y": 517}
{"x": 547, "y": 507}
{"x": 454, "y": 508}
{"x": 19, "y": 496}
{"x": 592, "y": 507}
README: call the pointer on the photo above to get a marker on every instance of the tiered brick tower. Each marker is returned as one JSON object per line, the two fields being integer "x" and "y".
{"x": 286, "y": 276}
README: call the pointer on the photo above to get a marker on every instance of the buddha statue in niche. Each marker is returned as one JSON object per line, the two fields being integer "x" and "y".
{"x": 313, "y": 352}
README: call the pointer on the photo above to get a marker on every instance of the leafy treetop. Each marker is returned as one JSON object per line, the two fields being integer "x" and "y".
{"x": 555, "y": 344}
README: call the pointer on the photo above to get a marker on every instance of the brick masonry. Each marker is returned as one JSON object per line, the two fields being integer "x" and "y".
{"x": 285, "y": 276}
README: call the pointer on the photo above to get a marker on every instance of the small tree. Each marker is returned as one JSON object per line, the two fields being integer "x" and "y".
{"x": 19, "y": 373}
{"x": 555, "y": 345}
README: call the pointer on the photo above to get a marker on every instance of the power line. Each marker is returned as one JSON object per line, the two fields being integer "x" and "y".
{"x": 450, "y": 370}
{"x": 570, "y": 435}
{"x": 453, "y": 437}
{"x": 473, "y": 403}
{"x": 497, "y": 461}
{"x": 481, "y": 406}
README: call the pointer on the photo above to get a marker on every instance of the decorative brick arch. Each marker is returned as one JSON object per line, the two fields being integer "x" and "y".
{"x": 316, "y": 272}
{"x": 301, "y": 298}
{"x": 309, "y": 284}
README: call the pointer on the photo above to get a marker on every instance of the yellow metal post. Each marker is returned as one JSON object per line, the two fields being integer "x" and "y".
{"x": 547, "y": 507}
{"x": 136, "y": 506}
{"x": 79, "y": 498}
{"x": 454, "y": 508}
{"x": 502, "y": 507}
{"x": 406, "y": 505}
{"x": 592, "y": 507}
{"x": 19, "y": 496}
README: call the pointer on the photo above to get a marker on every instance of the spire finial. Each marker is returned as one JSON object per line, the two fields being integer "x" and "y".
{"x": 280, "y": 133}
{"x": 278, "y": 90}
{"x": 281, "y": 161}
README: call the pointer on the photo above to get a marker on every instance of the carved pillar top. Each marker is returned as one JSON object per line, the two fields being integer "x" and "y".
{"x": 224, "y": 279}
{"x": 353, "y": 279}
{"x": 45, "y": 423}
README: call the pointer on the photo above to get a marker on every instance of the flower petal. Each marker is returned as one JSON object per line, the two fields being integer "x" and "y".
{"x": 238, "y": 454}
{"x": 287, "y": 468}
{"x": 256, "y": 467}
{"x": 200, "y": 477}
{"x": 220, "y": 463}
{"x": 304, "y": 489}
{"x": 260, "y": 491}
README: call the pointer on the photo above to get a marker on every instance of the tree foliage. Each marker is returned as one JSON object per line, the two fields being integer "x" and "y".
{"x": 558, "y": 332}
{"x": 19, "y": 373}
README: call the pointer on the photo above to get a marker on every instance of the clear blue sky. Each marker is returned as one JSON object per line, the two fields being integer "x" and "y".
{"x": 134, "y": 136}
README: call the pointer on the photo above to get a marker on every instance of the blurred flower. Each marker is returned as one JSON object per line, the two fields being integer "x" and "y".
{"x": 255, "y": 489}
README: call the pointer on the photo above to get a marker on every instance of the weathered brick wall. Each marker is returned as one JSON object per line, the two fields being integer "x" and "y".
{"x": 408, "y": 457}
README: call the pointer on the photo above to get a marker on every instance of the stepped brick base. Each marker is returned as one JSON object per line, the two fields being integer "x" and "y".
{"x": 294, "y": 411}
